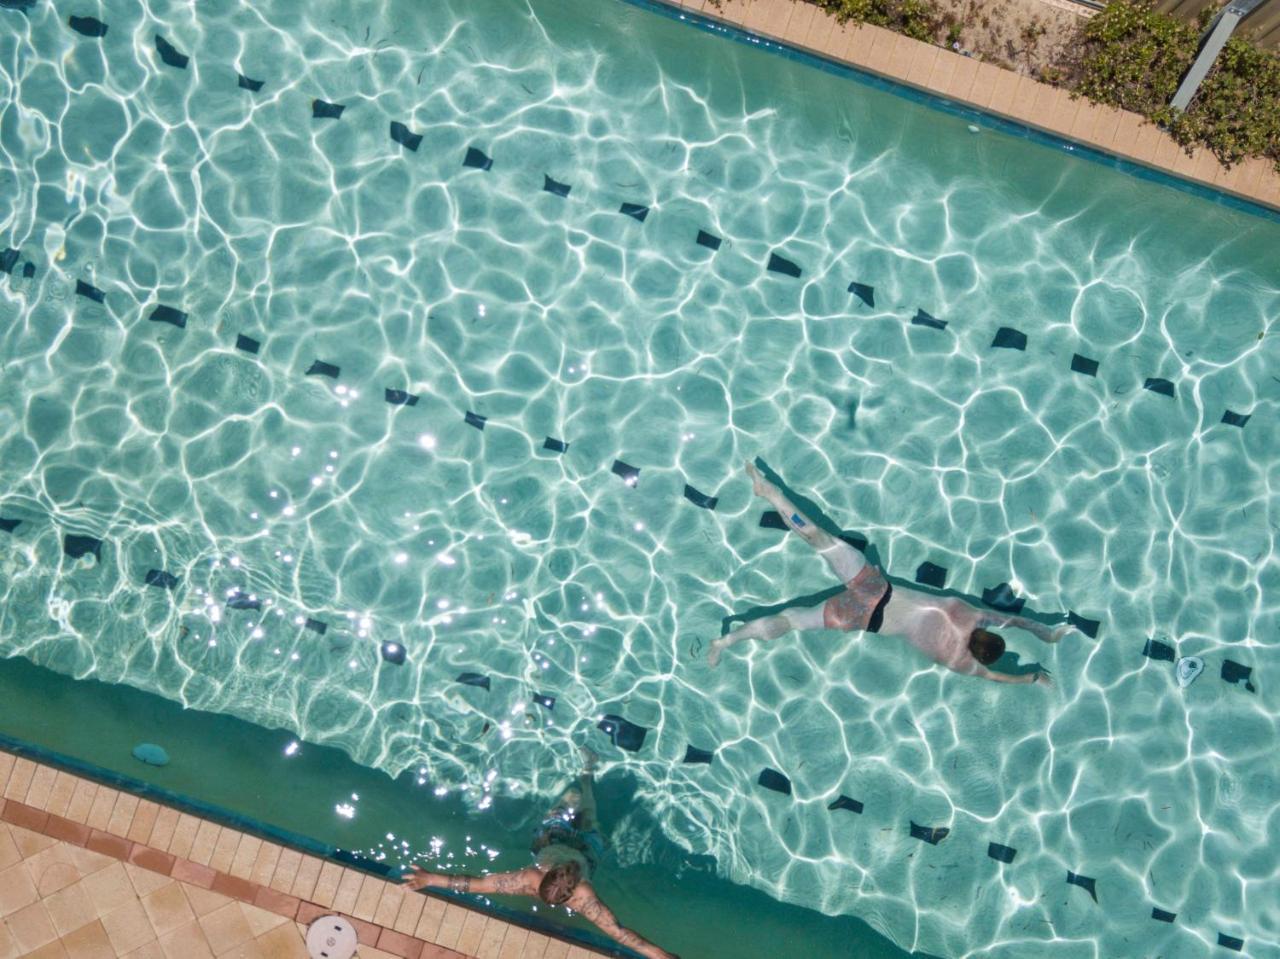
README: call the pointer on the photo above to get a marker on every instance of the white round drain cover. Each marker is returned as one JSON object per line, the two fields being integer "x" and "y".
{"x": 1188, "y": 668}
{"x": 331, "y": 937}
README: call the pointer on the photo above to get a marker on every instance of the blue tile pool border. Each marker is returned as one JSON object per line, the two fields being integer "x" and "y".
{"x": 225, "y": 817}
{"x": 955, "y": 108}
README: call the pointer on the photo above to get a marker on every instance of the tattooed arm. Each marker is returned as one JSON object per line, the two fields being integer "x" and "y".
{"x": 521, "y": 882}
{"x": 585, "y": 901}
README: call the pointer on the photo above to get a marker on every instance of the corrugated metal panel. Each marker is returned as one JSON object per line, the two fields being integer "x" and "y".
{"x": 1263, "y": 25}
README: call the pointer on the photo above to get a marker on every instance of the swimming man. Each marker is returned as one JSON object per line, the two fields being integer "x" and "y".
{"x": 566, "y": 850}
{"x": 947, "y": 630}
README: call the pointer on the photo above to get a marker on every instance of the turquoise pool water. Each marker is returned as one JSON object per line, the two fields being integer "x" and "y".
{"x": 481, "y": 551}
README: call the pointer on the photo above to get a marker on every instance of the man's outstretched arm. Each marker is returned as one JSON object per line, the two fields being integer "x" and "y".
{"x": 521, "y": 882}
{"x": 585, "y": 901}
{"x": 1040, "y": 675}
{"x": 1040, "y": 631}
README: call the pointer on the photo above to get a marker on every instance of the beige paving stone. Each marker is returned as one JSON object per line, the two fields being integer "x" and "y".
{"x": 17, "y": 889}
{"x": 41, "y": 785}
{"x": 857, "y": 43}
{"x": 53, "y": 869}
{"x": 20, "y": 776}
{"x": 162, "y": 832}
{"x": 469, "y": 938}
{"x": 1004, "y": 88}
{"x": 81, "y": 801}
{"x": 89, "y": 862}
{"x": 104, "y": 804}
{"x": 144, "y": 821}
{"x": 513, "y": 944}
{"x": 244, "y": 856}
{"x": 491, "y": 939}
{"x": 144, "y": 881}
{"x": 769, "y": 18}
{"x": 450, "y": 926}
{"x": 9, "y": 852}
{"x": 7, "y": 761}
{"x": 901, "y": 53}
{"x": 151, "y": 950}
{"x": 556, "y": 949}
{"x": 1167, "y": 152}
{"x": 367, "y": 898}
{"x": 285, "y": 871}
{"x": 168, "y": 908}
{"x": 70, "y": 909}
{"x": 1024, "y": 99}
{"x": 880, "y": 54}
{"x": 429, "y": 912}
{"x": 944, "y": 68}
{"x": 205, "y": 842}
{"x": 128, "y": 927}
{"x": 31, "y": 927}
{"x": 389, "y": 903}
{"x": 260, "y": 921}
{"x": 535, "y": 946}
{"x": 798, "y": 26}
{"x": 186, "y": 942}
{"x": 29, "y": 843}
{"x": 226, "y": 928}
{"x": 285, "y": 942}
{"x": 203, "y": 901}
{"x": 326, "y": 887}
{"x": 54, "y": 950}
{"x": 826, "y": 36}
{"x": 108, "y": 889}
{"x": 264, "y": 863}
{"x": 731, "y": 11}
{"x": 344, "y": 899}
{"x": 304, "y": 883}
{"x": 923, "y": 58}
{"x": 224, "y": 849}
{"x": 1108, "y": 126}
{"x": 122, "y": 815}
{"x": 90, "y": 941}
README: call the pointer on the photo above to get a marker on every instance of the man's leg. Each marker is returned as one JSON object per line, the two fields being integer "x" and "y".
{"x": 845, "y": 561}
{"x": 769, "y": 627}
{"x": 585, "y": 784}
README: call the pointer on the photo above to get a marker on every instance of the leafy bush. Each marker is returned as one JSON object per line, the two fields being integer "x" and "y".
{"x": 918, "y": 19}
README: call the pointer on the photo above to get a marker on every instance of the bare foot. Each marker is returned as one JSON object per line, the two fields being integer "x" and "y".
{"x": 1058, "y": 633}
{"x": 713, "y": 655}
{"x": 759, "y": 485}
{"x": 589, "y": 759}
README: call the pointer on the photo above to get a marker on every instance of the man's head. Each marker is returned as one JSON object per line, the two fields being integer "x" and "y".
{"x": 559, "y": 882}
{"x": 986, "y": 647}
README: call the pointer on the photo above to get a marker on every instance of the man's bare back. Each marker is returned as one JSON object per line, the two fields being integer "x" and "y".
{"x": 946, "y": 629}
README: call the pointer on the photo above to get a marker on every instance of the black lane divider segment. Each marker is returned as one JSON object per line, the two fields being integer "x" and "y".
{"x": 630, "y": 474}
{"x": 247, "y": 343}
{"x": 8, "y": 260}
{"x": 625, "y": 735}
{"x": 710, "y": 241}
{"x": 692, "y": 754}
{"x": 1233, "y": 672}
{"x": 1087, "y": 883}
{"x": 1087, "y": 626}
{"x": 1007, "y": 338}
{"x": 931, "y": 575}
{"x": 161, "y": 579}
{"x": 9, "y": 525}
{"x": 315, "y": 625}
{"x": 1082, "y": 364}
{"x": 772, "y": 779}
{"x": 477, "y": 159}
{"x": 1001, "y": 853}
{"x": 400, "y": 398}
{"x": 924, "y": 319}
{"x": 700, "y": 499}
{"x": 167, "y": 314}
{"x": 555, "y": 445}
{"x": 1003, "y": 598}
{"x": 545, "y": 701}
{"x": 75, "y": 546}
{"x": 1158, "y": 650}
{"x": 555, "y": 187}
{"x": 321, "y": 368}
{"x": 865, "y": 293}
{"x": 844, "y": 802}
{"x": 474, "y": 679}
{"x": 402, "y": 135}
{"x": 780, "y": 264}
{"x": 90, "y": 292}
{"x": 245, "y": 83}
{"x": 1157, "y": 385}
{"x": 88, "y": 26}
{"x": 636, "y": 211}
{"x": 169, "y": 53}
{"x": 930, "y": 834}
{"x": 323, "y": 110}
{"x": 1161, "y": 916}
{"x": 1235, "y": 419}
{"x": 476, "y": 420}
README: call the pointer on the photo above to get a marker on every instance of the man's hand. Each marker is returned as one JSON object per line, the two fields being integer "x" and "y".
{"x": 1043, "y": 678}
{"x": 419, "y": 878}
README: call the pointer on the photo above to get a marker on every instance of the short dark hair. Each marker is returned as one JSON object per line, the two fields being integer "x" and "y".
{"x": 559, "y": 882}
{"x": 986, "y": 647}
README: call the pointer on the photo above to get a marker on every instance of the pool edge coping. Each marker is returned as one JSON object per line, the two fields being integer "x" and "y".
{"x": 118, "y": 842}
{"x": 1002, "y": 99}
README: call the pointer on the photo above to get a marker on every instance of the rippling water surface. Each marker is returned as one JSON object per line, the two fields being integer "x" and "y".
{"x": 481, "y": 551}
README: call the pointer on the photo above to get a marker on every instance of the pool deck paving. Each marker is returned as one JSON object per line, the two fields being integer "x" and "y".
{"x": 90, "y": 872}
{"x": 962, "y": 79}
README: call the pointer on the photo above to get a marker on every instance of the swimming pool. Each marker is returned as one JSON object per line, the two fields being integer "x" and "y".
{"x": 267, "y": 450}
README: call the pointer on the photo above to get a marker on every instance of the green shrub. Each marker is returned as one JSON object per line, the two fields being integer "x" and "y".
{"x": 918, "y": 19}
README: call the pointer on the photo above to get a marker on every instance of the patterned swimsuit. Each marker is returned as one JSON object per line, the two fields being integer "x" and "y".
{"x": 861, "y": 605}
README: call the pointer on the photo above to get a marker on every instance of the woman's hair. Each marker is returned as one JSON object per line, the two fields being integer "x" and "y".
{"x": 986, "y": 647}
{"x": 559, "y": 882}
